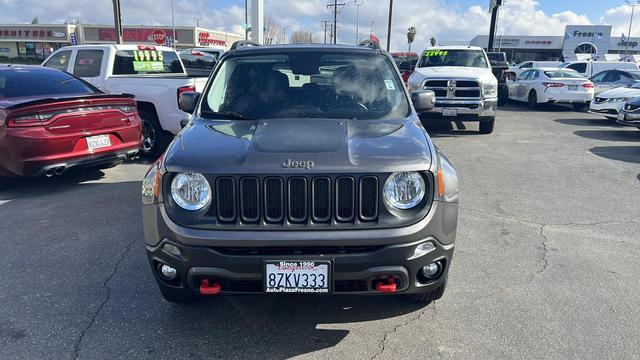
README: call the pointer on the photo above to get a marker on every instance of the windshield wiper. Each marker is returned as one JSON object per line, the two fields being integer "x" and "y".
{"x": 229, "y": 115}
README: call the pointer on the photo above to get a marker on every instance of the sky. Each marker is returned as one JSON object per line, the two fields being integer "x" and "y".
{"x": 446, "y": 20}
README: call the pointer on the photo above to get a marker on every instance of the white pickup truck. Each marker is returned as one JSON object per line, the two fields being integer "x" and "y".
{"x": 154, "y": 74}
{"x": 461, "y": 78}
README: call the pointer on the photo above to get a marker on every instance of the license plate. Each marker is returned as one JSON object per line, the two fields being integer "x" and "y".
{"x": 96, "y": 142}
{"x": 449, "y": 112}
{"x": 293, "y": 276}
{"x": 621, "y": 116}
{"x": 573, "y": 87}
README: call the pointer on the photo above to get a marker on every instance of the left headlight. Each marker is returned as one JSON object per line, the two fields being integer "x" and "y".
{"x": 191, "y": 191}
{"x": 404, "y": 190}
{"x": 490, "y": 89}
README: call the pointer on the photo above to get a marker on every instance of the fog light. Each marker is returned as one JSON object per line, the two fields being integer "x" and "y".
{"x": 431, "y": 270}
{"x": 167, "y": 271}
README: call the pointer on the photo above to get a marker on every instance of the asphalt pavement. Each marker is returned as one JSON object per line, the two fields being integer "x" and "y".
{"x": 546, "y": 264}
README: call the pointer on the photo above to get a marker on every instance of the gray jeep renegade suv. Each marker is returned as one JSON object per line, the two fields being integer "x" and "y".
{"x": 304, "y": 169}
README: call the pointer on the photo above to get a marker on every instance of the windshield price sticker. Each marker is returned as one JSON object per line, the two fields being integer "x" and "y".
{"x": 429, "y": 53}
{"x": 148, "y": 66}
{"x": 147, "y": 55}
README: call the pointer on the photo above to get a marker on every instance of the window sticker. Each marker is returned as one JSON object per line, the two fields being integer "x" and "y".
{"x": 389, "y": 84}
{"x": 148, "y": 66}
{"x": 435, "y": 52}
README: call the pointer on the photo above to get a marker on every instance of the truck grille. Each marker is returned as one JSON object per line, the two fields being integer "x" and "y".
{"x": 461, "y": 89}
{"x": 295, "y": 199}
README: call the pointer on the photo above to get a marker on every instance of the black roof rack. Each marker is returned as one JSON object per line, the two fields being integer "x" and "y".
{"x": 243, "y": 43}
{"x": 370, "y": 44}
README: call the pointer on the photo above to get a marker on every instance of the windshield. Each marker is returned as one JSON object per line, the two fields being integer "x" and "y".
{"x": 310, "y": 84}
{"x": 466, "y": 58}
{"x": 558, "y": 74}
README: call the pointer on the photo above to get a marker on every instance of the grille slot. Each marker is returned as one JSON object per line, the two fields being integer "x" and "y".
{"x": 226, "y": 195}
{"x": 321, "y": 198}
{"x": 297, "y": 199}
{"x": 273, "y": 200}
{"x": 345, "y": 193}
{"x": 368, "y": 198}
{"x": 350, "y": 286}
{"x": 467, "y": 83}
{"x": 250, "y": 200}
{"x": 437, "y": 83}
{"x": 468, "y": 93}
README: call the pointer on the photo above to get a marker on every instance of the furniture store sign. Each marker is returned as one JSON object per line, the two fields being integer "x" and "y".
{"x": 579, "y": 36}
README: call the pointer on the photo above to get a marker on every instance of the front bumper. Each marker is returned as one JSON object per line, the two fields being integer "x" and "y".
{"x": 629, "y": 119}
{"x": 607, "y": 109}
{"x": 466, "y": 109}
{"x": 359, "y": 258}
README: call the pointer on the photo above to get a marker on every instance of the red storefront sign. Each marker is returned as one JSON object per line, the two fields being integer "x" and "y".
{"x": 205, "y": 39}
{"x": 135, "y": 35}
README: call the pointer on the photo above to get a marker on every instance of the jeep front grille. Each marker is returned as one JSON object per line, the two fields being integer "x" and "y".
{"x": 295, "y": 199}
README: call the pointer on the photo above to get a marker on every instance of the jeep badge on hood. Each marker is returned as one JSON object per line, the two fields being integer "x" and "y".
{"x": 298, "y": 164}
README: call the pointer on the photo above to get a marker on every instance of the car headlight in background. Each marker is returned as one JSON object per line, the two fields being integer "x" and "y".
{"x": 404, "y": 190}
{"x": 191, "y": 191}
{"x": 489, "y": 90}
{"x": 621, "y": 99}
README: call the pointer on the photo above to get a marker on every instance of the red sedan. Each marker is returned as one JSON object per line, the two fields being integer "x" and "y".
{"x": 51, "y": 121}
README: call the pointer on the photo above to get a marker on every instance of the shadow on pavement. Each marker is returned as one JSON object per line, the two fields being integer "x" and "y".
{"x": 275, "y": 327}
{"x": 589, "y": 122}
{"x": 37, "y": 186}
{"x": 630, "y": 154}
{"x": 610, "y": 135}
{"x": 517, "y": 106}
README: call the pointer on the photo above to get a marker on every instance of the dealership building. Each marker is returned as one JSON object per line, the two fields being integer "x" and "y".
{"x": 37, "y": 41}
{"x": 578, "y": 42}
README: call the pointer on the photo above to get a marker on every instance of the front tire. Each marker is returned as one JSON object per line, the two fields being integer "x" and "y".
{"x": 153, "y": 136}
{"x": 533, "y": 99}
{"x": 427, "y": 298}
{"x": 486, "y": 126}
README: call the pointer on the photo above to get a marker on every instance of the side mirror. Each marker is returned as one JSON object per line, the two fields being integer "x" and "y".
{"x": 188, "y": 101}
{"x": 423, "y": 100}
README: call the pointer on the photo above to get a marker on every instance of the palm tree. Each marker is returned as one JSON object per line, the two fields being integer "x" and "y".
{"x": 411, "y": 36}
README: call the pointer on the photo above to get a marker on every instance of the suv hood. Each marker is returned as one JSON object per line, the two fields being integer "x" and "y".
{"x": 454, "y": 72}
{"x": 324, "y": 145}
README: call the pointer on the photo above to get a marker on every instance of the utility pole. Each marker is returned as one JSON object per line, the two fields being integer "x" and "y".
{"x": 197, "y": 19}
{"x": 325, "y": 27}
{"x": 358, "y": 3}
{"x": 389, "y": 29}
{"x": 633, "y": 7}
{"x": 173, "y": 25}
{"x": 117, "y": 21}
{"x": 335, "y": 18}
{"x": 246, "y": 20}
{"x": 494, "y": 7}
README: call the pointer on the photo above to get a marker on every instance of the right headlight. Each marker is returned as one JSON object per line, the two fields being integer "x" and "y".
{"x": 191, "y": 191}
{"x": 404, "y": 190}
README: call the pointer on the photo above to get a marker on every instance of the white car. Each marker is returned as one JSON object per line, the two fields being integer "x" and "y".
{"x": 519, "y": 68}
{"x": 551, "y": 85}
{"x": 610, "y": 102}
{"x": 154, "y": 74}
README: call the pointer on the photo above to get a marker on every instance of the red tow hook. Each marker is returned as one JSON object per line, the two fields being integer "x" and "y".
{"x": 206, "y": 289}
{"x": 387, "y": 288}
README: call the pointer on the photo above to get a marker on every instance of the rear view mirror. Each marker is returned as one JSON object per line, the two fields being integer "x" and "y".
{"x": 188, "y": 101}
{"x": 423, "y": 100}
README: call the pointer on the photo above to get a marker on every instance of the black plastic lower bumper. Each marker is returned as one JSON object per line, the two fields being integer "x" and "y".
{"x": 354, "y": 271}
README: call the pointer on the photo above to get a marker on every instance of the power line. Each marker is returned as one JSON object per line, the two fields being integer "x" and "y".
{"x": 335, "y": 17}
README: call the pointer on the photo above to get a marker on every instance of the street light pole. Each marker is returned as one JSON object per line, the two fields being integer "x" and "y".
{"x": 389, "y": 29}
{"x": 633, "y": 7}
{"x": 246, "y": 20}
{"x": 173, "y": 25}
{"x": 358, "y": 4}
{"x": 197, "y": 19}
{"x": 117, "y": 21}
